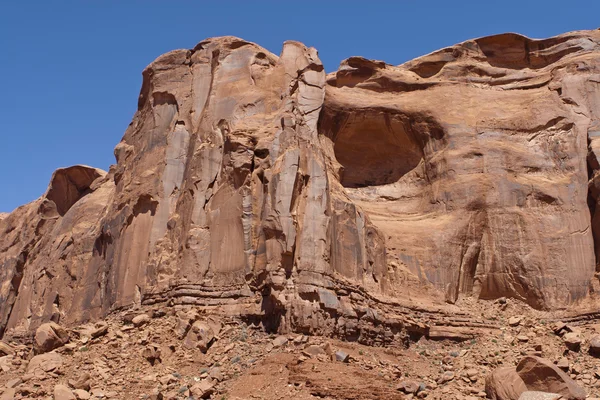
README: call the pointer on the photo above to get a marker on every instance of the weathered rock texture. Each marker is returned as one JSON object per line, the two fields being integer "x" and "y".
{"x": 257, "y": 184}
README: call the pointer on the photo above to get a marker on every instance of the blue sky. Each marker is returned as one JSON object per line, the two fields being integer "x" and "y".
{"x": 70, "y": 71}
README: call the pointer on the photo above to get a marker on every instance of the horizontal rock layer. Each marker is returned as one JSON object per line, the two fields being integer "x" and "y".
{"x": 261, "y": 186}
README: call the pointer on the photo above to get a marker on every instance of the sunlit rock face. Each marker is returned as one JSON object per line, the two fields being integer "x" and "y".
{"x": 259, "y": 186}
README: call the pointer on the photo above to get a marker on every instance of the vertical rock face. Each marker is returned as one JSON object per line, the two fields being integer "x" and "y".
{"x": 257, "y": 184}
{"x": 473, "y": 162}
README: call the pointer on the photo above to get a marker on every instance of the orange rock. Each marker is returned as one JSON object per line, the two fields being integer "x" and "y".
{"x": 245, "y": 175}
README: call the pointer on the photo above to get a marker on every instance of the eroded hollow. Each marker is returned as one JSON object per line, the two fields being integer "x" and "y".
{"x": 68, "y": 185}
{"x": 374, "y": 147}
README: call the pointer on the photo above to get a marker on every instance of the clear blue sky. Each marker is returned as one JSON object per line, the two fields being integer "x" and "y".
{"x": 70, "y": 71}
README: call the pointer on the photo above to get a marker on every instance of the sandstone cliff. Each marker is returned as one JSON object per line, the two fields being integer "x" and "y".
{"x": 324, "y": 204}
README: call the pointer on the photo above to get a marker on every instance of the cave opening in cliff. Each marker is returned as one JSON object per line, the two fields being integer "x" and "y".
{"x": 374, "y": 147}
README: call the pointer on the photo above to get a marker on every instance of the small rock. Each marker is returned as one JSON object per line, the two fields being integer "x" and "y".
{"x": 140, "y": 320}
{"x": 572, "y": 341}
{"x": 82, "y": 394}
{"x": 216, "y": 374}
{"x": 595, "y": 346}
{"x": 280, "y": 341}
{"x": 563, "y": 364}
{"x": 472, "y": 374}
{"x": 152, "y": 354}
{"x": 99, "y": 393}
{"x": 523, "y": 338}
{"x": 341, "y": 356}
{"x": 156, "y": 395}
{"x": 446, "y": 377}
{"x": 514, "y": 321}
{"x": 168, "y": 379}
{"x": 408, "y": 387}
{"x": 62, "y": 392}
{"x": 576, "y": 369}
{"x": 313, "y": 350}
{"x": 203, "y": 389}
{"x": 200, "y": 336}
{"x": 83, "y": 382}
{"x": 93, "y": 331}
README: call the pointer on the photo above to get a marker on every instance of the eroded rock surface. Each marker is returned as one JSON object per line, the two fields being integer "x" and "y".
{"x": 258, "y": 185}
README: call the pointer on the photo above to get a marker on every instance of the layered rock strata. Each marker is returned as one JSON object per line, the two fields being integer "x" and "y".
{"x": 322, "y": 204}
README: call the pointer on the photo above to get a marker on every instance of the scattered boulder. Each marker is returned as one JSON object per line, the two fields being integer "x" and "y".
{"x": 560, "y": 328}
{"x": 152, "y": 353}
{"x": 184, "y": 323}
{"x": 140, "y": 320}
{"x": 595, "y": 346}
{"x": 472, "y": 374}
{"x": 514, "y": 321}
{"x": 83, "y": 382}
{"x": 446, "y": 377}
{"x": 82, "y": 394}
{"x": 50, "y": 336}
{"x": 563, "y": 364}
{"x": 45, "y": 362}
{"x": 62, "y": 392}
{"x": 280, "y": 341}
{"x": 539, "y": 374}
{"x": 523, "y": 338}
{"x": 342, "y": 356}
{"x": 313, "y": 350}
{"x": 408, "y": 386}
{"x": 572, "y": 341}
{"x": 156, "y": 395}
{"x": 504, "y": 384}
{"x": 93, "y": 331}
{"x": 203, "y": 389}
{"x": 200, "y": 336}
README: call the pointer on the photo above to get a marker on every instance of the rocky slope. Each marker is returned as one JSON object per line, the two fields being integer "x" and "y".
{"x": 183, "y": 353}
{"x": 374, "y": 204}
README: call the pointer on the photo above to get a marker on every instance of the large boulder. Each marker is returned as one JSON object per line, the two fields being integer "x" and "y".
{"x": 504, "y": 384}
{"x": 200, "y": 335}
{"x": 50, "y": 336}
{"x": 542, "y": 375}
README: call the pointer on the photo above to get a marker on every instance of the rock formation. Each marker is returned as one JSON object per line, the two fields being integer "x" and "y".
{"x": 322, "y": 204}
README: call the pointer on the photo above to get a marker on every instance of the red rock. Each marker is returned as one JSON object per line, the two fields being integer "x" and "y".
{"x": 595, "y": 346}
{"x": 50, "y": 336}
{"x": 504, "y": 384}
{"x": 248, "y": 175}
{"x": 62, "y": 392}
{"x": 45, "y": 362}
{"x": 539, "y": 374}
